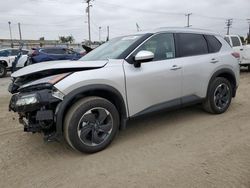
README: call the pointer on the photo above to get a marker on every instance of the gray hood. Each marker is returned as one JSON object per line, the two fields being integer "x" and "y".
{"x": 58, "y": 65}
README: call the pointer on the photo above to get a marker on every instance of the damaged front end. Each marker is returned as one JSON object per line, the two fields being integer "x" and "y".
{"x": 36, "y": 102}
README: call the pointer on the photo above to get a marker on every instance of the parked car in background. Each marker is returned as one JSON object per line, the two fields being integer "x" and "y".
{"x": 243, "y": 50}
{"x": 52, "y": 54}
{"x": 88, "y": 101}
{"x": 7, "y": 57}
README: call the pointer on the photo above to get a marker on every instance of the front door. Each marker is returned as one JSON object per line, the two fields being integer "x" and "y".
{"x": 156, "y": 84}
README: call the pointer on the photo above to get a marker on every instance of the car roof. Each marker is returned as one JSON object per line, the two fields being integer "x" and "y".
{"x": 13, "y": 49}
{"x": 180, "y": 30}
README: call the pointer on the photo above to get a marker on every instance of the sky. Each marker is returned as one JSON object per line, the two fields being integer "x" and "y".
{"x": 54, "y": 18}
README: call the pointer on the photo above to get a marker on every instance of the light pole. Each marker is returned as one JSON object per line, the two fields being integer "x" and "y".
{"x": 10, "y": 34}
{"x": 248, "y": 29}
{"x": 88, "y": 12}
{"x": 188, "y": 19}
{"x": 100, "y": 30}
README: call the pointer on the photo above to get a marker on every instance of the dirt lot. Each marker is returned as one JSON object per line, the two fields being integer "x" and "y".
{"x": 184, "y": 148}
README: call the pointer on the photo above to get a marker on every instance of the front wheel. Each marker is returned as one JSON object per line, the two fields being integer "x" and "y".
{"x": 3, "y": 71}
{"x": 219, "y": 96}
{"x": 91, "y": 124}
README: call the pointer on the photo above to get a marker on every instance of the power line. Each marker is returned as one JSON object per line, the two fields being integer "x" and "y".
{"x": 139, "y": 9}
{"x": 163, "y": 12}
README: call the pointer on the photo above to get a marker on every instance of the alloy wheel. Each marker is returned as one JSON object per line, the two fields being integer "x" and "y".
{"x": 222, "y": 96}
{"x": 95, "y": 126}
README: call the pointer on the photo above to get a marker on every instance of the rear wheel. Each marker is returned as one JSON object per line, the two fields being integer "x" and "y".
{"x": 91, "y": 124}
{"x": 219, "y": 96}
{"x": 3, "y": 71}
{"x": 248, "y": 68}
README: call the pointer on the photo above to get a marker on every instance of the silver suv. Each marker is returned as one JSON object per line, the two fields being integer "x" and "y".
{"x": 89, "y": 100}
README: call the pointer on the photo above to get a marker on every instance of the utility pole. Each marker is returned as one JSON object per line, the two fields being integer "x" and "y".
{"x": 88, "y": 12}
{"x": 107, "y": 33}
{"x": 100, "y": 30}
{"x": 11, "y": 34}
{"x": 248, "y": 29}
{"x": 188, "y": 19}
{"x": 20, "y": 33}
{"x": 229, "y": 23}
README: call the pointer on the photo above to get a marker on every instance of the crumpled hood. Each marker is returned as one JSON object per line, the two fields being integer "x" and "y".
{"x": 61, "y": 66}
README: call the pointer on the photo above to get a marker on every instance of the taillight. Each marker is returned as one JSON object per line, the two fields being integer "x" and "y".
{"x": 34, "y": 53}
{"x": 236, "y": 55}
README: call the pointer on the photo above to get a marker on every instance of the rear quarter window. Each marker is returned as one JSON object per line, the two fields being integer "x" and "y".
{"x": 235, "y": 41}
{"x": 191, "y": 44}
{"x": 214, "y": 44}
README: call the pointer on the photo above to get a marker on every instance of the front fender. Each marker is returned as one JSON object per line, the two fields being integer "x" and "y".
{"x": 69, "y": 98}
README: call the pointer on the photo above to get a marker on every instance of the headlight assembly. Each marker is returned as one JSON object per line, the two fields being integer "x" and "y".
{"x": 27, "y": 100}
{"x": 47, "y": 80}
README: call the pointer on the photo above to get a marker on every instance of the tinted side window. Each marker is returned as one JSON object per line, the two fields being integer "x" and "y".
{"x": 235, "y": 41}
{"x": 4, "y": 53}
{"x": 214, "y": 44}
{"x": 191, "y": 44}
{"x": 14, "y": 52}
{"x": 54, "y": 51}
{"x": 162, "y": 45}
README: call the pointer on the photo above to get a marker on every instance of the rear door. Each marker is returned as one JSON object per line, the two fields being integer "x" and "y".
{"x": 198, "y": 64}
{"x": 156, "y": 84}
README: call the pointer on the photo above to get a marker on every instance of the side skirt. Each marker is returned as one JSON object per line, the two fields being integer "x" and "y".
{"x": 169, "y": 105}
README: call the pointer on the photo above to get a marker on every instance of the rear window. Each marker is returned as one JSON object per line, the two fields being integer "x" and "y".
{"x": 54, "y": 51}
{"x": 214, "y": 44}
{"x": 235, "y": 41}
{"x": 191, "y": 44}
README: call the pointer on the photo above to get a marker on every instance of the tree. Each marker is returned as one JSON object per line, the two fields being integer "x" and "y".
{"x": 42, "y": 39}
{"x": 66, "y": 39}
{"x": 70, "y": 39}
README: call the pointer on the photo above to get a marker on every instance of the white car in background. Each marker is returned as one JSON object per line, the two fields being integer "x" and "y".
{"x": 7, "y": 57}
{"x": 243, "y": 50}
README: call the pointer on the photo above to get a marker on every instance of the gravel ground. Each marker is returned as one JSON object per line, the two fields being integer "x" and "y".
{"x": 184, "y": 148}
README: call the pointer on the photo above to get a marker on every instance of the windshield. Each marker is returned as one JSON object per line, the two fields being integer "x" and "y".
{"x": 112, "y": 49}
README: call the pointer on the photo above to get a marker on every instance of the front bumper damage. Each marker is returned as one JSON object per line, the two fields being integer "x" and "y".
{"x": 37, "y": 111}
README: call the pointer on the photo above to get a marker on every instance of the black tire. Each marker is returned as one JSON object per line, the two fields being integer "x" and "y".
{"x": 3, "y": 71}
{"x": 248, "y": 68}
{"x": 76, "y": 117}
{"x": 215, "y": 102}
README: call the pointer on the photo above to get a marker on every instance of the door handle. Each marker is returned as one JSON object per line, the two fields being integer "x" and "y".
{"x": 175, "y": 67}
{"x": 214, "y": 61}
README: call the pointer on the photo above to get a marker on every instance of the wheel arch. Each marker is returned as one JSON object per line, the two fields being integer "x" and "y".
{"x": 229, "y": 75}
{"x": 104, "y": 91}
{"x": 4, "y": 63}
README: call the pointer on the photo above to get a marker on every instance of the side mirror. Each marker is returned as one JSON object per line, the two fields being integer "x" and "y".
{"x": 143, "y": 57}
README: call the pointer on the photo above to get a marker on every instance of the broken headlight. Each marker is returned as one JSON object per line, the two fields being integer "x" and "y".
{"x": 51, "y": 80}
{"x": 27, "y": 100}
